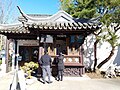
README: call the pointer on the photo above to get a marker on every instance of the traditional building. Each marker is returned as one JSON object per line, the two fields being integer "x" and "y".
{"x": 55, "y": 33}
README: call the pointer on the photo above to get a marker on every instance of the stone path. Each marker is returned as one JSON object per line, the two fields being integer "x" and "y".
{"x": 69, "y": 83}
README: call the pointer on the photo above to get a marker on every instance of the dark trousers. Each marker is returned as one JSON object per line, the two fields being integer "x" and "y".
{"x": 60, "y": 75}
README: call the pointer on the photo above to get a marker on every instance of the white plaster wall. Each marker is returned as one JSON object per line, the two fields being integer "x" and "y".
{"x": 117, "y": 58}
{"x": 88, "y": 51}
{"x": 103, "y": 50}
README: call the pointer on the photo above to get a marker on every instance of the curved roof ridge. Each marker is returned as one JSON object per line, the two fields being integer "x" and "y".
{"x": 29, "y": 17}
{"x": 50, "y": 18}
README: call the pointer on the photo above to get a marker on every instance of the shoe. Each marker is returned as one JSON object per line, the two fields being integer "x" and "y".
{"x": 49, "y": 82}
{"x": 61, "y": 79}
{"x": 58, "y": 79}
{"x": 43, "y": 82}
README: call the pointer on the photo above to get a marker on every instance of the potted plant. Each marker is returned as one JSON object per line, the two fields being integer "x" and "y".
{"x": 0, "y": 64}
{"x": 28, "y": 68}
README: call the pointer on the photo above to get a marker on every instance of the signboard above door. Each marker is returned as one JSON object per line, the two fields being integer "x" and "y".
{"x": 46, "y": 39}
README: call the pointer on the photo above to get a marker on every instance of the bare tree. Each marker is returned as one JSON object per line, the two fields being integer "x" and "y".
{"x": 7, "y": 11}
{"x": 7, "y": 15}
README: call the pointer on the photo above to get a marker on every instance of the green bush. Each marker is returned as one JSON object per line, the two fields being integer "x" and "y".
{"x": 0, "y": 62}
{"x": 28, "y": 68}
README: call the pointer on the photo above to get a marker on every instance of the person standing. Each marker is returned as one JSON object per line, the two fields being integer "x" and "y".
{"x": 45, "y": 63}
{"x": 60, "y": 65}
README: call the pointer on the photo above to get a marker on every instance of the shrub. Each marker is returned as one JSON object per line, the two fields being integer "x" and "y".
{"x": 28, "y": 68}
{"x": 0, "y": 62}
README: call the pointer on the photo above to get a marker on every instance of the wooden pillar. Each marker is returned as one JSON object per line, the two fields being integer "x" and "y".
{"x": 67, "y": 43}
{"x": 82, "y": 60}
{"x": 40, "y": 48}
{"x": 7, "y": 55}
{"x": 55, "y": 49}
{"x": 81, "y": 55}
{"x": 16, "y": 62}
{"x": 40, "y": 54}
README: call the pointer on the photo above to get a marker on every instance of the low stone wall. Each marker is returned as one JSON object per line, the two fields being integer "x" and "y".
{"x": 70, "y": 71}
{"x": 73, "y": 71}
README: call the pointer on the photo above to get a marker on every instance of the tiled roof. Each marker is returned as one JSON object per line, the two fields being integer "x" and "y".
{"x": 63, "y": 26}
{"x": 61, "y": 21}
{"x": 16, "y": 28}
{"x": 53, "y": 26}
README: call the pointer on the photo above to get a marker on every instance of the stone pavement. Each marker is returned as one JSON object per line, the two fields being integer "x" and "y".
{"x": 5, "y": 80}
{"x": 77, "y": 83}
{"x": 69, "y": 83}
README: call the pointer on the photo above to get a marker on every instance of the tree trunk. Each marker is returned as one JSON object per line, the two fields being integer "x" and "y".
{"x": 107, "y": 59}
{"x": 95, "y": 55}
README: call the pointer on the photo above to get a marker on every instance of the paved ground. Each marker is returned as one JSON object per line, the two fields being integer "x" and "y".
{"x": 77, "y": 84}
{"x": 5, "y": 81}
{"x": 69, "y": 83}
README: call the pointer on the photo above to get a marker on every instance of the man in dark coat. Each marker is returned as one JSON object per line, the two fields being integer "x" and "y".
{"x": 45, "y": 63}
{"x": 60, "y": 64}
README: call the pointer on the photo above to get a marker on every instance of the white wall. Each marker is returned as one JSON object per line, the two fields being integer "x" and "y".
{"x": 88, "y": 51}
{"x": 117, "y": 58}
{"x": 103, "y": 50}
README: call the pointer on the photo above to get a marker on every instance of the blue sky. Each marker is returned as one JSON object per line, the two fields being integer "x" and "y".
{"x": 39, "y": 6}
